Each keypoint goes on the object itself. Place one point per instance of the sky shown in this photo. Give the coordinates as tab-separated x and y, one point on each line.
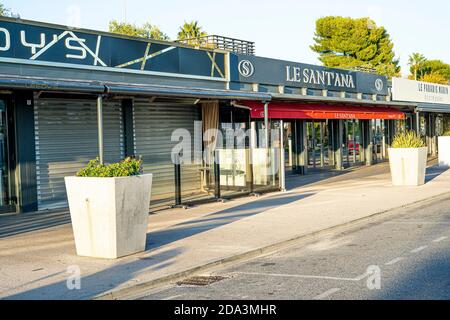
282	29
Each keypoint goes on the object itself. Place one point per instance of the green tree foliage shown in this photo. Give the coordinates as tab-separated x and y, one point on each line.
148	30
4	11
416	61
191	31
434	77
435	67
355	43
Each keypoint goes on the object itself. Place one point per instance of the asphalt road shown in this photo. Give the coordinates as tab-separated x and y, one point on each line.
405	256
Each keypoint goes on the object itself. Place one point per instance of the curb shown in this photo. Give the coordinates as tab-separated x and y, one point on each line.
139	290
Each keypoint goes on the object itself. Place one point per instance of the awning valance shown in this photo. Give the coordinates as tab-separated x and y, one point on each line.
283	110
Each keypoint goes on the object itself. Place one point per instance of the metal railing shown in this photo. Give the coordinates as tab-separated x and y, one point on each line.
223	43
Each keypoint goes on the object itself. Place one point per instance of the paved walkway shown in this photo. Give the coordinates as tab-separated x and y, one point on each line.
33	265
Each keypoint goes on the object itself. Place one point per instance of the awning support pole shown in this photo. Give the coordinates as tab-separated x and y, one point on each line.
266	124
100	129
282	159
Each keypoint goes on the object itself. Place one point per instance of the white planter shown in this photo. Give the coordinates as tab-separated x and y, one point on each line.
109	215
408	166
444	151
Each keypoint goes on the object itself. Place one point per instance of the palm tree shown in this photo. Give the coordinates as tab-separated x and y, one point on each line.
415	61
191	31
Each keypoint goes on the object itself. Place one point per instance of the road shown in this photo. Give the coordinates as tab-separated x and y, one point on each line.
404	256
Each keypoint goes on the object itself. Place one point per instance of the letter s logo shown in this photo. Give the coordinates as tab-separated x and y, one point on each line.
246	68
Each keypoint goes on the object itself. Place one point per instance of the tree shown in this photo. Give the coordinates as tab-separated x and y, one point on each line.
355	43
416	61
435	66
148	30
434	77
4	12
191	31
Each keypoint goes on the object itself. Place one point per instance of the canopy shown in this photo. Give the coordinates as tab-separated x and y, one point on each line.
284	110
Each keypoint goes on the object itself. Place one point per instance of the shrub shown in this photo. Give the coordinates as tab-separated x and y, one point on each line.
407	139
126	168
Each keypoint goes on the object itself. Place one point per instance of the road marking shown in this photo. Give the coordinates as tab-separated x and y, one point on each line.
300	276
173	297
394	261
417	250
327	294
440	239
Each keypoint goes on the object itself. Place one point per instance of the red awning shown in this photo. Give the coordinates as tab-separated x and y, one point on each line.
281	110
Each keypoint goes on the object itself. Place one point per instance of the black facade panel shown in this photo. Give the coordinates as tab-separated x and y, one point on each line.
26	151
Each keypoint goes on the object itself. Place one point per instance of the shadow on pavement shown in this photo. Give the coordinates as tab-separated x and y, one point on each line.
434	172
188	229
100	282
13	225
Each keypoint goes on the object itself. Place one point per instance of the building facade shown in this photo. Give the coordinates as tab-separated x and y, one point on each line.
244	122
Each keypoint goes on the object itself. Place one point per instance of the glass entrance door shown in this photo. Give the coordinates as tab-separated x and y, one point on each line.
7	203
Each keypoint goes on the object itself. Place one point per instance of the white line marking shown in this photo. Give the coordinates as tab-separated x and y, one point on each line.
362	277
327	294
417	250
173	297
440	239
299	276
394	261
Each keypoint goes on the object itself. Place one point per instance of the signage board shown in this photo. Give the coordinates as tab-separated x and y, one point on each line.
250	69
37	43
418	91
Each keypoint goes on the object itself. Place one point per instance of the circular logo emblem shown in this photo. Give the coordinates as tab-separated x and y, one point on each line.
246	68
379	85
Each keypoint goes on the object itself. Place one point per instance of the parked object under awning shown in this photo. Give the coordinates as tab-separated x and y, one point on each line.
282	110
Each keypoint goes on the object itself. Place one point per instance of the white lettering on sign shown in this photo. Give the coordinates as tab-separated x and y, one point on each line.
83	53
419	91
33	46
7	44
320	77
344	116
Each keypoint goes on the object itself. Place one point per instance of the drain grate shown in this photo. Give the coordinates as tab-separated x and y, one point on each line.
201	281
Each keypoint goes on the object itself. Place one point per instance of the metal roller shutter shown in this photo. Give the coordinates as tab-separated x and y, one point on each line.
67	138
154	124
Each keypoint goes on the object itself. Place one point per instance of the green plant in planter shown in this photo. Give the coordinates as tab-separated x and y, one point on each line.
126	168
406	140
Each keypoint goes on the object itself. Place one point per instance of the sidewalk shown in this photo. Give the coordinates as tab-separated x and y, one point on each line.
34	265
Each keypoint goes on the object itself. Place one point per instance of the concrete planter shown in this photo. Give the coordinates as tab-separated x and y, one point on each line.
444	151
109	215
408	166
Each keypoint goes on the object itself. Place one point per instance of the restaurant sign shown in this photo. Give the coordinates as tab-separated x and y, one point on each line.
267	71
28	42
418	91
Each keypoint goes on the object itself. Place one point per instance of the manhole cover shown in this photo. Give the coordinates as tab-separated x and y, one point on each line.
201	281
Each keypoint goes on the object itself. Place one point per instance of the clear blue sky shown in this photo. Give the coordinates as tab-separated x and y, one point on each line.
282	29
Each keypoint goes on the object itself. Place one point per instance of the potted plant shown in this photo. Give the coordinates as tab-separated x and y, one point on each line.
408	159
444	150
109	206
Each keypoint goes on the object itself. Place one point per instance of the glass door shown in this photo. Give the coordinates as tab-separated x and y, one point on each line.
7	202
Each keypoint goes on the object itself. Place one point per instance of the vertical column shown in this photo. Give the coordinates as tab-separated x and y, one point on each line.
128	128
100	129
367	142
282	159
331	138
300	147
25	151
338	132
363	146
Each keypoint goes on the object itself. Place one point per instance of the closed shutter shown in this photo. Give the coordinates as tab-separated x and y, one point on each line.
154	124
67	138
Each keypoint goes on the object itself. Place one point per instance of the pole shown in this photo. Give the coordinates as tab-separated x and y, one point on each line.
178	181
100	129
282	159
